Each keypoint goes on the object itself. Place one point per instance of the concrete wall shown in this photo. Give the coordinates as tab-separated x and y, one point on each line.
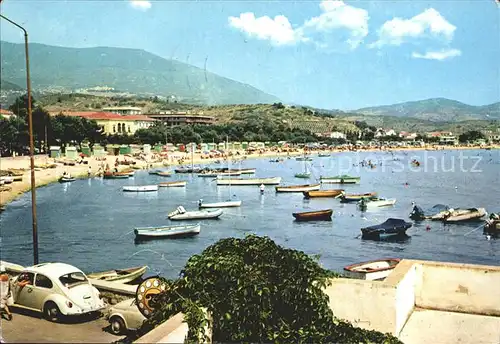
408	282
460	288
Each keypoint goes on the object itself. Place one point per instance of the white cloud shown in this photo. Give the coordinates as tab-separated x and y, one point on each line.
441	55
278	30
142	5
429	23
335	15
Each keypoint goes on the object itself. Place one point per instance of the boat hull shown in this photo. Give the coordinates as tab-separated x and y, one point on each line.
221	204
373	270
249	181
172	184
355	198
323	193
465	215
145	188
320	215
340	180
372	204
196	215
170	232
66	180
121	276
298	188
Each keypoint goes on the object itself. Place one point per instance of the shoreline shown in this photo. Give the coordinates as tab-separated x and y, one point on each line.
48	176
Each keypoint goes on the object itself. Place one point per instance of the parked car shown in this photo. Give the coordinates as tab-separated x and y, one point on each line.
57	290
125	316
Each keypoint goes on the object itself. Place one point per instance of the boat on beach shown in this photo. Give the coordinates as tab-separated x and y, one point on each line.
140	188
376	203
249	181
462	215
181	214
373	270
323	193
119	275
343	179
346	198
318	215
437	212
390	228
177	184
298	188
171	232
64	179
7	179
226	204
115	175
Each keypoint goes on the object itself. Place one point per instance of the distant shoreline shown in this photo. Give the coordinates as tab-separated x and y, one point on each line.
51	175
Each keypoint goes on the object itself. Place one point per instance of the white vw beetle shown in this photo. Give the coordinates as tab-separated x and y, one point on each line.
125	316
56	289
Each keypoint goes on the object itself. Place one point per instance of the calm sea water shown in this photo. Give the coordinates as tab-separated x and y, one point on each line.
89	223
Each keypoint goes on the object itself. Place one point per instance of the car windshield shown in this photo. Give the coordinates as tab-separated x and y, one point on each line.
72	279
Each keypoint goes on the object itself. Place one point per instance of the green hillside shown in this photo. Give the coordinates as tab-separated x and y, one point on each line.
130	70
437	110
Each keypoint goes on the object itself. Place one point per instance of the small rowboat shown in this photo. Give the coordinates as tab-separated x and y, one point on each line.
178	184
298	188
226	204
164	174
372	270
304	158
122	275
249	181
319	215
346	198
188	170
245	170
171	232
216	174
323	193
303	175
324	155
115	176
142	188
343	179
437	212
181	214
66	179
375	203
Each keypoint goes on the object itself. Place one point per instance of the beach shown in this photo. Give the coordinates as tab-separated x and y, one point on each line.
44	176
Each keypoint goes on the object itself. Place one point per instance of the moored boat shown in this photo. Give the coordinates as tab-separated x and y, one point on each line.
226	204
140	188
173	232
298	188
181	214
346	198
245	170
372	270
343	179
492	225
375	203
318	215
164	174
249	181
177	184
324	155
390	228
461	215
323	193
65	179
303	158
215	174
115	175
188	170
119	275
437	212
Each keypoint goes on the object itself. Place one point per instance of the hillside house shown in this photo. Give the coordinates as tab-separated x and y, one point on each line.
123	110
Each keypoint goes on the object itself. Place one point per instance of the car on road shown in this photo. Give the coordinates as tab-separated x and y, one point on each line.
125	316
57	290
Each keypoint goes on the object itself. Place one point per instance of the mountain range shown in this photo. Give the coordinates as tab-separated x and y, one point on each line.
127	70
435	110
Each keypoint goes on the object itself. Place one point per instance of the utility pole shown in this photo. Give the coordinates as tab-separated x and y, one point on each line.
32	148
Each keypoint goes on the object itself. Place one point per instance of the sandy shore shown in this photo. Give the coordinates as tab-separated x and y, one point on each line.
49	175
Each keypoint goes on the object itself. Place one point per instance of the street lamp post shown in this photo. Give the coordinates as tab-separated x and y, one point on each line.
32	148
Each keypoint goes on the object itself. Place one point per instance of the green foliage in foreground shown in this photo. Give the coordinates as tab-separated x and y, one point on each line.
257	291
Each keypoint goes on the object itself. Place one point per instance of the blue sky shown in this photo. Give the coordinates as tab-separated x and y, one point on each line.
328	54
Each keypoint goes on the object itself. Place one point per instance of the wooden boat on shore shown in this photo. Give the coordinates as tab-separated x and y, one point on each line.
226	204
298	188
376	203
372	270
64	179
115	175
119	275
462	215
343	179
318	215
323	193
249	181
181	214
346	198
140	188
437	212
390	228
177	184
171	232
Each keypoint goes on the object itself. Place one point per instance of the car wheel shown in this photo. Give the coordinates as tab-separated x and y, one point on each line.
117	325
51	311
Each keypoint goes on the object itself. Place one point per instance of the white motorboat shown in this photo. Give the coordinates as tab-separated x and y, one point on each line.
298	188
376	203
167	231
225	204
372	270
249	181
7	179
142	188
246	170
181	214
178	184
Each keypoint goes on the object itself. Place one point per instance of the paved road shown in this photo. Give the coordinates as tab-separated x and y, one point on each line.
30	327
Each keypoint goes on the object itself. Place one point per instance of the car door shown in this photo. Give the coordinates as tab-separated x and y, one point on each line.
43	288
23	295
